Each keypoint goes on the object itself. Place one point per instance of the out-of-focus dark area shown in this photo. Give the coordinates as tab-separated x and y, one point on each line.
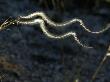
27	55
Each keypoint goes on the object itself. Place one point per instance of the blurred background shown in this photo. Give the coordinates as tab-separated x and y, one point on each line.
27	55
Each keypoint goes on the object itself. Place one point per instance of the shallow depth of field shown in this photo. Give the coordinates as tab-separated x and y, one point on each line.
27	55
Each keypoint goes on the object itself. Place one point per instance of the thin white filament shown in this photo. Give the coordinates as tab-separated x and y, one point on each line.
52	23
50	35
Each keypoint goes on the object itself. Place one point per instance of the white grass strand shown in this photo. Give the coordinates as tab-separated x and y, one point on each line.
52	23
50	35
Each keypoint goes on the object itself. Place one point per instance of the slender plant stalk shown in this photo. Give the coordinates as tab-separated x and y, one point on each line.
57	25
99	67
44	19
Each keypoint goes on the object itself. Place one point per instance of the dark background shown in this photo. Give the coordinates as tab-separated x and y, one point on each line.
27	55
